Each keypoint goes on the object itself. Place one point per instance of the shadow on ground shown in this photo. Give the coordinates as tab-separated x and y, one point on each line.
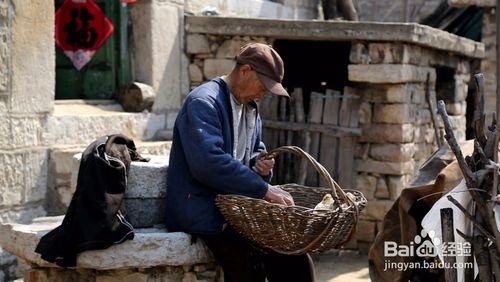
344	266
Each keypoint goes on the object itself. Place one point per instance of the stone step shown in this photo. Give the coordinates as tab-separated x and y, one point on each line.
150	247
146	190
61	166
80	124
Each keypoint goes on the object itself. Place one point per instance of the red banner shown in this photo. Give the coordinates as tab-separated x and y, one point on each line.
81	28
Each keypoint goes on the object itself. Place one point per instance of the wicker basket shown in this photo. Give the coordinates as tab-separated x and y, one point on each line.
296	229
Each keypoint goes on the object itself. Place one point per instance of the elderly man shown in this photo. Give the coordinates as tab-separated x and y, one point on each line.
216	149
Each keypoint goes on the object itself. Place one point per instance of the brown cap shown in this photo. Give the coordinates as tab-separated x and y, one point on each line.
267	63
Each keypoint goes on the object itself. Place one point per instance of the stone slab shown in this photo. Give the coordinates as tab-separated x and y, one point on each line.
337	31
143	213
145	179
150	247
73	124
390	73
391	168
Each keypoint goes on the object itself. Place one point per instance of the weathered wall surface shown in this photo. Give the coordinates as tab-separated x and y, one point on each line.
27	83
392	11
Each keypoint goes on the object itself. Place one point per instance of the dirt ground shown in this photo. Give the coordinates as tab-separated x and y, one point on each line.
341	267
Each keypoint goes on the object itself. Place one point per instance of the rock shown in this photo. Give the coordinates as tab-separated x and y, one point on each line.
365	231
125	277
359	54
381	133
392	152
456	109
365	113
391	168
217	67
195	74
229	49
389	53
145	212
396	184
393	113
366	184
376	210
388	73
150	247
197	44
382	191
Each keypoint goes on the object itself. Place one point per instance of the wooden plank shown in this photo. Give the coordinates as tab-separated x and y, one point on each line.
314	117
329	144
326	129
289	158
269	111
448	232
346	144
303	139
282	135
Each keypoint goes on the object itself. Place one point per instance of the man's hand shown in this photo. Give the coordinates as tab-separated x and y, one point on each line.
263	167
279	196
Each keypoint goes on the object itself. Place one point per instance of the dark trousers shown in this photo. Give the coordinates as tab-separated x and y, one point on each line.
241	261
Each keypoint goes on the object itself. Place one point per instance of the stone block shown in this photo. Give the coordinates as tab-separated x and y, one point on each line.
197	44
424	116
113	276
389	53
458	122
396	184
144	212
381	133
5	55
391	93
36	174
27	131
34	64
229	48
195	74
365	231
366	184
365	113
359	54
148	179
82	124
217	67
5	132
21	214
423	150
150	247
390	73
12	178
382	192
376	210
457	108
392	152
393	113
391	168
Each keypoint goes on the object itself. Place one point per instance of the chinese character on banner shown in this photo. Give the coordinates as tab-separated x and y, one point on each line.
81	29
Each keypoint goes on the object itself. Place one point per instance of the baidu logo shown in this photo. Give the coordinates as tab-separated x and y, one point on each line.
426	242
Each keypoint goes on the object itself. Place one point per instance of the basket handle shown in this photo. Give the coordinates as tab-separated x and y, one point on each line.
319	167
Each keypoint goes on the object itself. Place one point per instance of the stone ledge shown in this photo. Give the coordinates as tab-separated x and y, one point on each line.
150	247
337	31
77	124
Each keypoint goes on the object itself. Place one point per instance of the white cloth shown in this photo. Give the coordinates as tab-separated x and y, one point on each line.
243	129
432	223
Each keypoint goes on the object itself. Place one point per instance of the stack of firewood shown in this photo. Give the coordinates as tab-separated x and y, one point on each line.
480	171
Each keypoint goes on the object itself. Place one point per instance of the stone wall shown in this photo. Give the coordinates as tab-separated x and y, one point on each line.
192	273
398	134
397	130
27	80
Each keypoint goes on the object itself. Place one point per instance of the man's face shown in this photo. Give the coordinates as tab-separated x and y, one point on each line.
249	87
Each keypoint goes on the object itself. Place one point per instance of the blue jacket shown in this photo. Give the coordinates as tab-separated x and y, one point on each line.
201	164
